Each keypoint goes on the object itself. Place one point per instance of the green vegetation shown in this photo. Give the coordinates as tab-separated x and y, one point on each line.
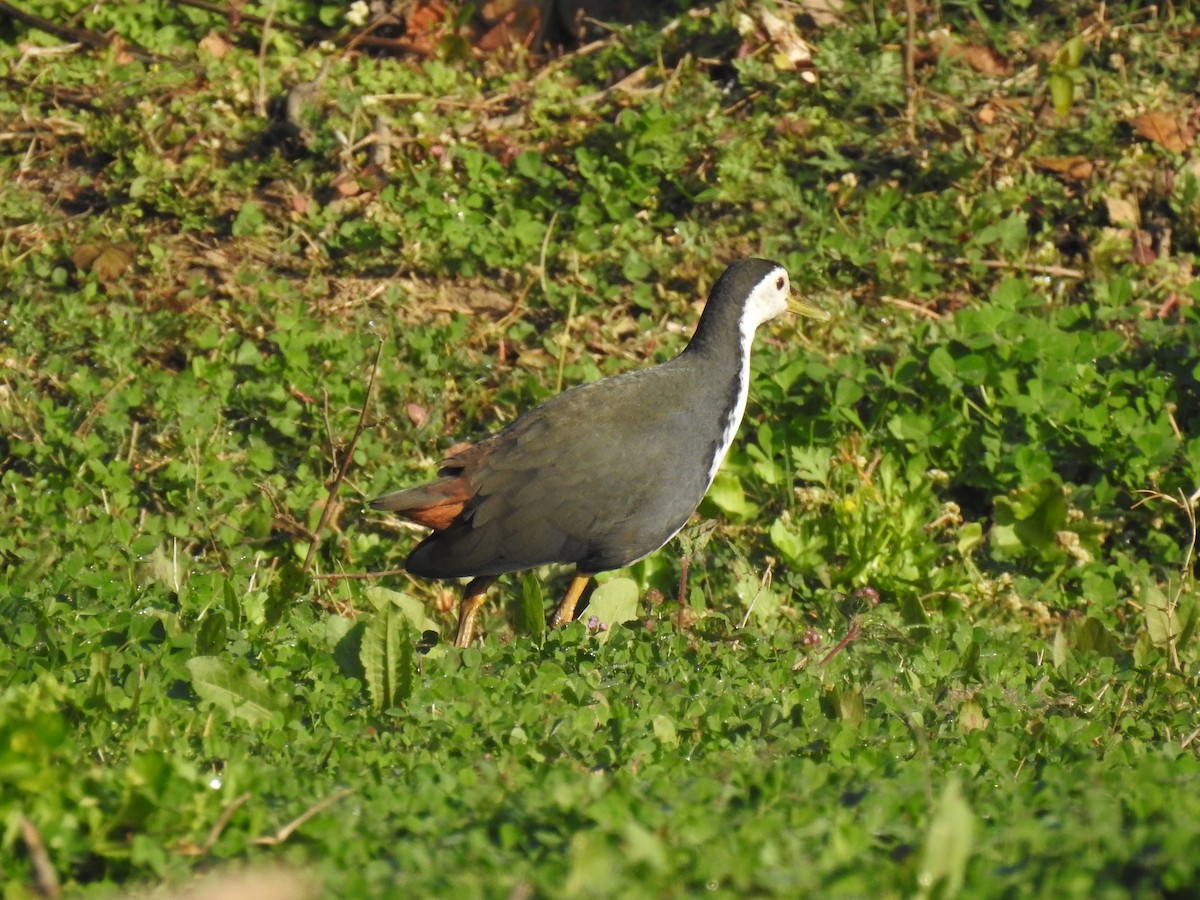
997	434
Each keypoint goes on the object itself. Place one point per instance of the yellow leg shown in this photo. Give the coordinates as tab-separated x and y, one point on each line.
473	598
566	610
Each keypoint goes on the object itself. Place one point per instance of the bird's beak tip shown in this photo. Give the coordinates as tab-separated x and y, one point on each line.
800	308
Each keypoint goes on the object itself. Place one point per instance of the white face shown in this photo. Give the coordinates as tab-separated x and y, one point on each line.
769	298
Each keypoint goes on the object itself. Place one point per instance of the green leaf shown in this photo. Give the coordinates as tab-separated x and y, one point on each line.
811	463
1161	623
1093	637
1028	520
788	542
1060	650
970	535
387	657
728	495
242	693
664	731
948	844
1062	93
250	220
941	366
247	354
847	704
210	635
533	605
1069	55
847	392
972	368
412	609
614	602
971	716
528	164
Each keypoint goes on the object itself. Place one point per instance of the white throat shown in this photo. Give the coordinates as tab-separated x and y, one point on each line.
766	301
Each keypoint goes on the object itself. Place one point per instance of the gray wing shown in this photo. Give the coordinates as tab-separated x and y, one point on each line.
600	475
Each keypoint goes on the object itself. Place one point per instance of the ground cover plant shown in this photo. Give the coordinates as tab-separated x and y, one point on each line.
937	634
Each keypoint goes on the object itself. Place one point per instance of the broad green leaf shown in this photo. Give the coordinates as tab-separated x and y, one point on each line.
972	368
1062	93
614	602
970	535
788	542
971	716
948	844
408	606
1093	637
664	731
941	366
387	657
1161	623
1059	651
811	463
728	495
1070	54
242	693
533	606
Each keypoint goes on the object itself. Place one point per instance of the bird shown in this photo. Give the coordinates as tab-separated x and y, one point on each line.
605	473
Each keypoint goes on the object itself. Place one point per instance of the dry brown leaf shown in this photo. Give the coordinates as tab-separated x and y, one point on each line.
509	22
344	184
1142	253
494	10
417	414
983	60
300	395
1164	129
1121	212
823	12
120	52
215	45
1073	168
107	262
424	25
792	52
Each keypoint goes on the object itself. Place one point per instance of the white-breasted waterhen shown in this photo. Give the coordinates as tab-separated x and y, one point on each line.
604	473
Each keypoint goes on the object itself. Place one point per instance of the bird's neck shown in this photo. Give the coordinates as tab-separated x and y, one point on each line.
726	373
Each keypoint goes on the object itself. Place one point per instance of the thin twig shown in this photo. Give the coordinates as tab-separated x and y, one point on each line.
681	609
350	39
261	99
43	869
76	35
287	830
222	820
910	68
218	826
85	426
1034	268
764	583
852	633
514	312
347	460
1188	505
912	307
586	50
358	576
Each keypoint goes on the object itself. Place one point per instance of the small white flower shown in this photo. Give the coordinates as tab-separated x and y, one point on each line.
357	14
